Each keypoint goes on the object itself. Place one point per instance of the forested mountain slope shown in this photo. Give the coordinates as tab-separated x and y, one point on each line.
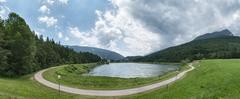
222	47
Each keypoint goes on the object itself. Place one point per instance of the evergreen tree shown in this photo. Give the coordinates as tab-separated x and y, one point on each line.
3	52
21	45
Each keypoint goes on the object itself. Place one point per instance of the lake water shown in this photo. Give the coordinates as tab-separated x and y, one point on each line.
131	70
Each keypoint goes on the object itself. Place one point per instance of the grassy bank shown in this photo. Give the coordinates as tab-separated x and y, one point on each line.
214	79
71	76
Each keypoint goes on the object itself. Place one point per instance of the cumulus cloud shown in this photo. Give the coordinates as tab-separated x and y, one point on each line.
60	35
114	27
49	21
4	11
66	39
127	37
37	33
63	1
86	38
50	2
3	1
139	27
182	20
151	25
44	9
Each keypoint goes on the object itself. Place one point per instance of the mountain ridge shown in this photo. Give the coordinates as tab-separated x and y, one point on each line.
221	47
216	34
106	54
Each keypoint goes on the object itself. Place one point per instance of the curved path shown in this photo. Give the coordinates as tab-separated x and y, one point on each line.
38	77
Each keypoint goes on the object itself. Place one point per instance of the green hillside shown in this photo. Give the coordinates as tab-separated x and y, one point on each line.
214	48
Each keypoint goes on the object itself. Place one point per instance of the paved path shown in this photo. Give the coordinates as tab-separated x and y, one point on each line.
40	79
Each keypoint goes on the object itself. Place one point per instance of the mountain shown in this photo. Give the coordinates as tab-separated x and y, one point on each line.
222	33
131	58
106	54
209	47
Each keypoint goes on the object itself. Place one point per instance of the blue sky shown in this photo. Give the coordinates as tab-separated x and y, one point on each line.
129	27
71	13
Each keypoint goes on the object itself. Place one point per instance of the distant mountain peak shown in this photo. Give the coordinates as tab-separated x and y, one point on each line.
217	34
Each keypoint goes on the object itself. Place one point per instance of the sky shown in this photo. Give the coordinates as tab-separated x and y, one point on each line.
129	27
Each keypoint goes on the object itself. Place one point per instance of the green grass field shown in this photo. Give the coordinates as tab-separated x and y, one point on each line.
214	79
27	88
72	76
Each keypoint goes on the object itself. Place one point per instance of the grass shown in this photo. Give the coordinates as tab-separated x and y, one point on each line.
214	79
71	76
27	88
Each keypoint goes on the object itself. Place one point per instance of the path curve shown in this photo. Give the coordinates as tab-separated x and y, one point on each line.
38	77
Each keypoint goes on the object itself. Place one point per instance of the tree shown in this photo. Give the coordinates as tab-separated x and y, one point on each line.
3	52
21	44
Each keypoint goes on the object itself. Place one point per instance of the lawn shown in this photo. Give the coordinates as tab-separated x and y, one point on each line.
72	76
214	79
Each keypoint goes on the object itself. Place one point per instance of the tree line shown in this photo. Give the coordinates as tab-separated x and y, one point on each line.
23	52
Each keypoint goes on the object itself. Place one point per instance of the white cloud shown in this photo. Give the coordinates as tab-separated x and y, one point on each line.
37	33
50	2
49	21
44	9
3	1
4	11
120	27
63	1
127	37
139	27
60	35
85	38
66	38
150	25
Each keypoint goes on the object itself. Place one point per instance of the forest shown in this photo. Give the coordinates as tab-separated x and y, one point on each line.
23	52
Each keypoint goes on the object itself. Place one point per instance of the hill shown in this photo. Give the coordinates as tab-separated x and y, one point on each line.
222	47
222	33
106	54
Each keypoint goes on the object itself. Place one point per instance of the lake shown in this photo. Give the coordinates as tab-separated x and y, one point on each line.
131	70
